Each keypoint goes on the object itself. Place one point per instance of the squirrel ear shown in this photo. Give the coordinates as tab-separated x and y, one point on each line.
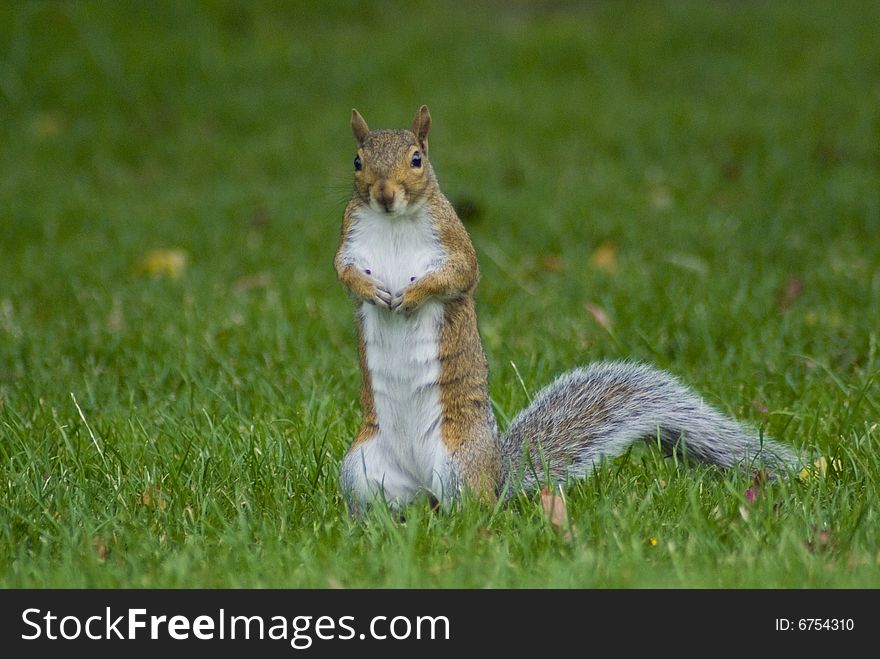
359	126
421	126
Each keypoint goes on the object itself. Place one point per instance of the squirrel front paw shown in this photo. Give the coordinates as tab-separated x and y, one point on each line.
407	298
381	297
375	292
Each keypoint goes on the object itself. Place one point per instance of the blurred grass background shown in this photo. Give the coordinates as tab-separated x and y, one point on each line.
694	184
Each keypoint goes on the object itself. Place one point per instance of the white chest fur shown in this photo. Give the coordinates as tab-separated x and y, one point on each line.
394	248
407	456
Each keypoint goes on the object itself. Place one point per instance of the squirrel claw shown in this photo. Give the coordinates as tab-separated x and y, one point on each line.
396	301
382	297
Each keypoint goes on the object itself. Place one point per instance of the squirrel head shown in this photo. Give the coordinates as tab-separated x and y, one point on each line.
392	173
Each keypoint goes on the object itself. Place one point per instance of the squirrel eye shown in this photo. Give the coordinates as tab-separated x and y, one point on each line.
357	163
416	159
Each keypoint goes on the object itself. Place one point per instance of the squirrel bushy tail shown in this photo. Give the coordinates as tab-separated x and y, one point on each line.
599	411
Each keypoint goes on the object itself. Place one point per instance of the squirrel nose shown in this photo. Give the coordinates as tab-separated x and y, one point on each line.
385	195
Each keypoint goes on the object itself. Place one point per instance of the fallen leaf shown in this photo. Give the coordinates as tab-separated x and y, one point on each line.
100	547
154	497
789	293
820	468
557	512
599	316
604	257
169	263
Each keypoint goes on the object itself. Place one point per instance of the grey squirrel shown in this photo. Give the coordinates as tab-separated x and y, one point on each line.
428	427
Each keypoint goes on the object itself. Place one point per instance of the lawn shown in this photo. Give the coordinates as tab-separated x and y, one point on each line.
691	184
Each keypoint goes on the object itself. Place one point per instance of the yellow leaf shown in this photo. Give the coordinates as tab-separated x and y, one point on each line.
99	544
820	468
153	497
556	511
604	257
169	263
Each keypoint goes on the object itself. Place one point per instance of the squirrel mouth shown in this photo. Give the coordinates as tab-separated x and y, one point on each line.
388	204
387	197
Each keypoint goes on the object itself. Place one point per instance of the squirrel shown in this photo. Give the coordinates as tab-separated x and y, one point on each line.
408	263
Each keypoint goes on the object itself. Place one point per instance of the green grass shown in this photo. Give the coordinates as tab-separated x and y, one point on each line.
161	432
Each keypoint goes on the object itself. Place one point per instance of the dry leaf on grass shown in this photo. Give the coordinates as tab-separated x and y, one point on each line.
557	512
153	497
820	468
604	257
169	263
99	544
